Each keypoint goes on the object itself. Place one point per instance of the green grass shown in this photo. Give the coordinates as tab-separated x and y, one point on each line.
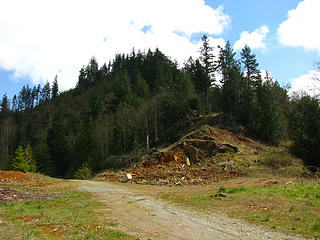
67	215
289	208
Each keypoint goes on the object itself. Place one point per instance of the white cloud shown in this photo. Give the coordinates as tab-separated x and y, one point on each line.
301	27
254	39
40	39
308	83
266	75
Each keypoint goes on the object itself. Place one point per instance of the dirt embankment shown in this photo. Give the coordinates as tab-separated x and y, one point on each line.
11	191
200	157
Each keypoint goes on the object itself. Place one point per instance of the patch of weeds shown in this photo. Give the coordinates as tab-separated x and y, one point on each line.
316	225
276	160
66	216
201	198
112	224
257	218
236	189
222	189
292	209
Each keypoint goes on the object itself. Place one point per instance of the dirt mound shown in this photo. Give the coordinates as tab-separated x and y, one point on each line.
195	159
15	176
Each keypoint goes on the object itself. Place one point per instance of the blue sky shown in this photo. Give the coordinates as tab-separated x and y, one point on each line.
33	50
285	63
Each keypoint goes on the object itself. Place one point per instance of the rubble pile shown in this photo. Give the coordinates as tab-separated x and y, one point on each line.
15	176
192	160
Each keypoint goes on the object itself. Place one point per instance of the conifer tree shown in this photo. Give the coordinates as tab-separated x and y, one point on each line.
5	131
19	162
305	125
30	159
206	58
46	92
229	68
252	80
55	88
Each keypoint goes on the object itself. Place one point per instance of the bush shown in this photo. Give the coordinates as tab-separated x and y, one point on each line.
84	172
277	160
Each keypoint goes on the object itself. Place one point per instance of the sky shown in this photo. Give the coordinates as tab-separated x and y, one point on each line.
40	39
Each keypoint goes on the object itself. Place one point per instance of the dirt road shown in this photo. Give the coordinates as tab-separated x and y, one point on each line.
145	217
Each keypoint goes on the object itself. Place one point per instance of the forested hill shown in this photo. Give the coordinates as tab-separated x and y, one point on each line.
145	100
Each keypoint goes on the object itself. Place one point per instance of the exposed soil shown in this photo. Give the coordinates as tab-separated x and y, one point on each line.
195	159
141	215
16	176
11	189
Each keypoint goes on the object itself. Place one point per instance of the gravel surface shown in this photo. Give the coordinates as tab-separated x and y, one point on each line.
147	218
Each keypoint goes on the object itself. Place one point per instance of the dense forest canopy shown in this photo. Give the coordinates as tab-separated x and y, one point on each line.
143	100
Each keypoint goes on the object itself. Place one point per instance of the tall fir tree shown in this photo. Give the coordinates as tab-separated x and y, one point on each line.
55	88
206	58
232	88
19	162
252	78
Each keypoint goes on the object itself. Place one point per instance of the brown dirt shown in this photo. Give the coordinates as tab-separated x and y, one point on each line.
192	160
17	186
16	176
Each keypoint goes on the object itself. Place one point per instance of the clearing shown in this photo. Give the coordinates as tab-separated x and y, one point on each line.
214	183
141	215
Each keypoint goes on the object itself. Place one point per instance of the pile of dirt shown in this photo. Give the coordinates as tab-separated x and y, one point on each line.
192	160
16	176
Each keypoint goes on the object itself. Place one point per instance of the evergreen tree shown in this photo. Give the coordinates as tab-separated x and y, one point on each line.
15	103
19	162
5	106
5	131
267	118
30	159
46	93
41	153
305	125
206	58
55	88
252	82
198	77
56	141
232	87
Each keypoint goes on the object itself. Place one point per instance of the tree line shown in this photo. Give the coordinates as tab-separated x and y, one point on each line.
143	100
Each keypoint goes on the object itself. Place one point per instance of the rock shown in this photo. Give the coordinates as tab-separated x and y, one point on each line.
129	176
187	161
220	195
124	179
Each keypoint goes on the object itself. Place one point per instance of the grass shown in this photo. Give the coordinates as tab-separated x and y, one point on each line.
66	214
288	208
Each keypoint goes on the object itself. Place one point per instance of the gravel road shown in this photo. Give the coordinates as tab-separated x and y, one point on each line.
143	216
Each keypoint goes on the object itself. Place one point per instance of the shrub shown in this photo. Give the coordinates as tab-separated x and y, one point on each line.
84	172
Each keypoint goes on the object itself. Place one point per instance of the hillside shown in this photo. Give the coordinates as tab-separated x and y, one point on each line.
144	100
209	154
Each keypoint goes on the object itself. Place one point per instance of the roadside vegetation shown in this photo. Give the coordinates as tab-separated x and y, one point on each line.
52	210
290	207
